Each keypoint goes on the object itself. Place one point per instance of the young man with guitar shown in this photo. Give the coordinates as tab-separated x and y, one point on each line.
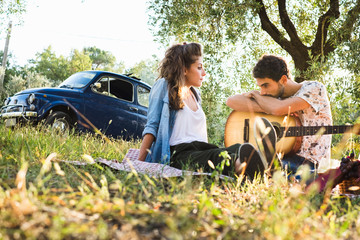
279	95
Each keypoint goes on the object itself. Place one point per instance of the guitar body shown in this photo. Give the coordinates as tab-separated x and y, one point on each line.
239	128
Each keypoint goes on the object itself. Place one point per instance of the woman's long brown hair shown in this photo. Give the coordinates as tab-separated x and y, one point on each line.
177	58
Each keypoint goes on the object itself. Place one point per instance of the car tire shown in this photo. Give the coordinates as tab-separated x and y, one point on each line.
59	121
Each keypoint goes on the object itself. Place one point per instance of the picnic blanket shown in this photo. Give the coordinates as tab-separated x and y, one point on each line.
130	163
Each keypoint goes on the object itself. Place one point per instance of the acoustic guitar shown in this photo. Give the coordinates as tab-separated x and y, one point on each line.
239	128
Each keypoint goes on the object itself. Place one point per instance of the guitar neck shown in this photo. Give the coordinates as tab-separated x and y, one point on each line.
313	130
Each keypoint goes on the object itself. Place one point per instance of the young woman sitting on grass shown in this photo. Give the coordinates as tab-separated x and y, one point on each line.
176	132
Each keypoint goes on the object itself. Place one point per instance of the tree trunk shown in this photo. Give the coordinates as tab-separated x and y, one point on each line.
2	76
302	64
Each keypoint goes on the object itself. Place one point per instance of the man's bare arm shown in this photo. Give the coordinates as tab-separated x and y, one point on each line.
279	107
243	103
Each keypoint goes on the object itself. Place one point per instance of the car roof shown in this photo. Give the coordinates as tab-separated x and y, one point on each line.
128	77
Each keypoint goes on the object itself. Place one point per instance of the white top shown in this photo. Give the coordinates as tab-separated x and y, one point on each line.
315	148
189	126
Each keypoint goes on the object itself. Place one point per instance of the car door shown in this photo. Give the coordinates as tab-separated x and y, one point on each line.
111	107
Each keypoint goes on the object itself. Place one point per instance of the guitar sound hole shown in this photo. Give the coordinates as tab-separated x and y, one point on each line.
277	130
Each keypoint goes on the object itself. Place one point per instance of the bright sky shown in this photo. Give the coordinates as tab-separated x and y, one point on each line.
117	26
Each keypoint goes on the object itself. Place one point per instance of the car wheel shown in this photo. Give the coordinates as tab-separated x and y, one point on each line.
59	121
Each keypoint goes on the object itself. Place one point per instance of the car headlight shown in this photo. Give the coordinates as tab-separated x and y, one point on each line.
31	98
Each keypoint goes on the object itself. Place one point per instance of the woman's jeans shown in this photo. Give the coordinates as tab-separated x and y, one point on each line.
196	155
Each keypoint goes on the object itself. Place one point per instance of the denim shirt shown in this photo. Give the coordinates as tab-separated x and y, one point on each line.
160	122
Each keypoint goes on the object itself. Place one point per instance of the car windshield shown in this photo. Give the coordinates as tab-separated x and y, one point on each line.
77	80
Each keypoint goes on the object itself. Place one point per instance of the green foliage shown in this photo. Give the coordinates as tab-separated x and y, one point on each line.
80	61
29	79
101	60
146	70
10	9
349	52
307	28
54	68
118	68
345	107
57	69
8	59
9	72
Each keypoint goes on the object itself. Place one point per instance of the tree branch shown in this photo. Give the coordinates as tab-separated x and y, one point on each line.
344	33
288	25
323	27
270	28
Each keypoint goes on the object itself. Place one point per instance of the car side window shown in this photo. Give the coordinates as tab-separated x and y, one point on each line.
143	96
115	87
122	89
102	86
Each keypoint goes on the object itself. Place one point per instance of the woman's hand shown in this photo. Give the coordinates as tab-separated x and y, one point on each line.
145	145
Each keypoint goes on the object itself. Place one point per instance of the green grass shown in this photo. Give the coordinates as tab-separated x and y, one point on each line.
43	199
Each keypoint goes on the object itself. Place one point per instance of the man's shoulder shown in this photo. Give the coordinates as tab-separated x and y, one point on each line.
312	84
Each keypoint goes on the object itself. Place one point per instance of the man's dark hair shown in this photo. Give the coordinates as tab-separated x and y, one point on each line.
271	66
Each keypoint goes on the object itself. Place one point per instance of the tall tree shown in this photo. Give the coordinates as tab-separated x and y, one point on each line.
52	67
4	60
309	30
101	59
80	61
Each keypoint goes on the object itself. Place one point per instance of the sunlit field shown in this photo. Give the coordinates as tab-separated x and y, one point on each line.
43	197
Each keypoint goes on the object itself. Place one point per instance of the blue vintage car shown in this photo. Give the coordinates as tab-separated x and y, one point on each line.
113	103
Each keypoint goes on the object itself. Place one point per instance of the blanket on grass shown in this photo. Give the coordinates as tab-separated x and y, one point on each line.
157	170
